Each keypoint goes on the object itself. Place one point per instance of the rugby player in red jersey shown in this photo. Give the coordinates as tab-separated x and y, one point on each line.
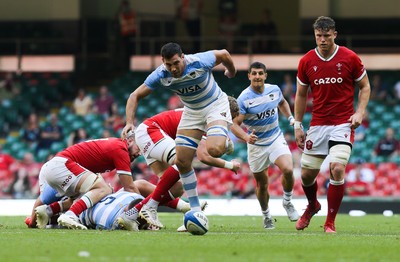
331	72
73	173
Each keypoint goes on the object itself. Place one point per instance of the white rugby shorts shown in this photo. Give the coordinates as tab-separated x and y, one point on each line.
62	174
260	157
199	119
153	142
318	137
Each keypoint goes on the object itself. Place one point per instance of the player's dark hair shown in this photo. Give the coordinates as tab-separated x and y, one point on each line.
170	49
258	65
324	23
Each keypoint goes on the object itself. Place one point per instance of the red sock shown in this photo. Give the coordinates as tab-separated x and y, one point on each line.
173	203
311	193
55	207
166	198
168	179
144	201
334	197
78	207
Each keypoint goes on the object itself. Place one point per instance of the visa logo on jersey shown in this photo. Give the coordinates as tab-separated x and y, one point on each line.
266	114
189	89
328	80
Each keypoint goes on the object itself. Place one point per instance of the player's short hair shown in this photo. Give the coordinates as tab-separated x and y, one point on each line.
170	49
234	107
258	65
324	23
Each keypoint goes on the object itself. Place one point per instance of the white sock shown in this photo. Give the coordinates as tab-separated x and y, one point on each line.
49	211
152	203
189	181
182	205
266	213
70	213
287	196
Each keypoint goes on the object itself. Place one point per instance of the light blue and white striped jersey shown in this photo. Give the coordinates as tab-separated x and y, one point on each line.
103	214
196	87
261	113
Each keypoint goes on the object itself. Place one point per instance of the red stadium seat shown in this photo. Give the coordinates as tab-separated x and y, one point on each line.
385	166
350	166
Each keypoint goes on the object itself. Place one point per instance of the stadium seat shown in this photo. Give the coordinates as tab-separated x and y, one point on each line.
42	155
370	165
57	147
387	166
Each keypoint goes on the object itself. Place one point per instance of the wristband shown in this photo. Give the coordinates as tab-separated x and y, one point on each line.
298	125
291	120
228	165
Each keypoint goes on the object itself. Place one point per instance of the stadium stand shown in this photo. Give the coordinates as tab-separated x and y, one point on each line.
42	92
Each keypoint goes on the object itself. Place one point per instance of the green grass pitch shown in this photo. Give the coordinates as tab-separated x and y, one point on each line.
367	238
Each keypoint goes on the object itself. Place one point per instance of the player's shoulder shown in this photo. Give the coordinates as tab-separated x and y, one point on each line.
200	59
310	54
346	52
116	143
308	57
245	93
157	74
271	87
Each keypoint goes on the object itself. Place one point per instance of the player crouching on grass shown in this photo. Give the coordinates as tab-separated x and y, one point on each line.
73	172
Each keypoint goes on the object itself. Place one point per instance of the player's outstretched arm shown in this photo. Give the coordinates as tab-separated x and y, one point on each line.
131	107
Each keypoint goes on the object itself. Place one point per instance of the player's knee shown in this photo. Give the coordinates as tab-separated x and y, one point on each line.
216	150
183	163
287	171
217	147
337	170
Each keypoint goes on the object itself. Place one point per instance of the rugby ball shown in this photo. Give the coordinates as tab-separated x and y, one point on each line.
196	222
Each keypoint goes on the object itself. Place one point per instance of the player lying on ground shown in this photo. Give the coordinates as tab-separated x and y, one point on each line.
104	213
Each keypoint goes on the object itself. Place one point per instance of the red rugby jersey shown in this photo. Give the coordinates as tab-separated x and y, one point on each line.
100	155
168	121
332	83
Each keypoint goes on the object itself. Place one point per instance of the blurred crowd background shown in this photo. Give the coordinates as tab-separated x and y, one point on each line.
43	112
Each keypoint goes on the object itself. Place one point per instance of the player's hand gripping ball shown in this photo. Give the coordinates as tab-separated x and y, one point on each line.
196	222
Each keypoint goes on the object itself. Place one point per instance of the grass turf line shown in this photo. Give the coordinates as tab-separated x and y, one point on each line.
367	238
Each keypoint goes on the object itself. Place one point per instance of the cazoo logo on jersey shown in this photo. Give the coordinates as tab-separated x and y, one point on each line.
328	80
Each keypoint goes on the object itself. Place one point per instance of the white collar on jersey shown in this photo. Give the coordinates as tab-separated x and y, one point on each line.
329	58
